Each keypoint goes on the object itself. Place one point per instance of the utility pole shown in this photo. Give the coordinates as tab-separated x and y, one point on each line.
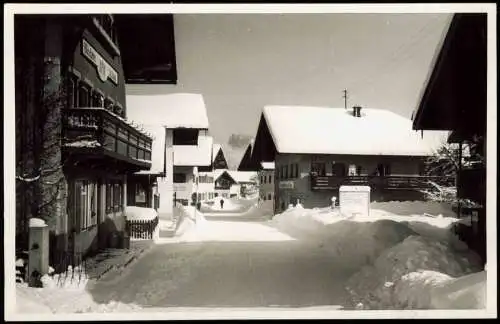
345	98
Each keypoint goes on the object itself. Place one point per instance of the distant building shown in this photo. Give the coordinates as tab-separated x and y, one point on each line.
187	144
235	184
75	146
225	184
318	149
454	99
266	181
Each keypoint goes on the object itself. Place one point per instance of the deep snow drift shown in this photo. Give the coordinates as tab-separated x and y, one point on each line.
401	262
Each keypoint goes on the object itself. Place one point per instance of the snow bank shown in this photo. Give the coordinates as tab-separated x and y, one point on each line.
140	213
56	301
391	283
413	208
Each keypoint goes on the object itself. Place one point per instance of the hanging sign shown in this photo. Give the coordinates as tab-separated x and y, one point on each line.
104	69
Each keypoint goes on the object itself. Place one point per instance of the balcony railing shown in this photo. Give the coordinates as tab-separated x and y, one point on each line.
98	130
401	182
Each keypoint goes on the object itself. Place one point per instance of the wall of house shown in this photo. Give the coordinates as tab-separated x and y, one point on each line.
206	189
293	188
186	189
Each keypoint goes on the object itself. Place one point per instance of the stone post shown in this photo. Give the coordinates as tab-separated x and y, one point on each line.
38	264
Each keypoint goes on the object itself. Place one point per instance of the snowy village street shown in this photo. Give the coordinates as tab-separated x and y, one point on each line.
230	274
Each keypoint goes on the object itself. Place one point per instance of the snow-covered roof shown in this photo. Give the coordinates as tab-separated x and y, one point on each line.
177	110
324	130
194	155
267	165
243	176
157	149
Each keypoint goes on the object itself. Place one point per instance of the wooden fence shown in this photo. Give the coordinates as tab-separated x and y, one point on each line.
142	229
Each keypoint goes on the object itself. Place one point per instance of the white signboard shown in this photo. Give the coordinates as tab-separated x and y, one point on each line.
286	185
104	69
354	200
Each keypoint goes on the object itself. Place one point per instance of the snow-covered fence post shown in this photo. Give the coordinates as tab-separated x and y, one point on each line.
38	264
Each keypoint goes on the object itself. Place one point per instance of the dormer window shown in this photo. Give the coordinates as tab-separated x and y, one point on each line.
185	136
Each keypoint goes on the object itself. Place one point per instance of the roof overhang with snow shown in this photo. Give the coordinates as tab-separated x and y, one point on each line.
177	110
194	155
454	95
325	130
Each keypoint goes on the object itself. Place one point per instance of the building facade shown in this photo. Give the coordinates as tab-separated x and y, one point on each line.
266	182
346	147
75	147
181	121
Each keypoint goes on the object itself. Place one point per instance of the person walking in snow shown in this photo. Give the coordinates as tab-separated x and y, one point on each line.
222	204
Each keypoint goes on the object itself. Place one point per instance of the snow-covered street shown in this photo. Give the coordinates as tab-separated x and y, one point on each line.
302	258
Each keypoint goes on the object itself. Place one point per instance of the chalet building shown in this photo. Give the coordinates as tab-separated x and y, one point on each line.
266	181
234	184
356	146
206	176
454	99
75	147
225	185
183	120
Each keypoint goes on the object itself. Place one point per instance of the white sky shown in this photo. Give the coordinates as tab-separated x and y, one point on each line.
242	62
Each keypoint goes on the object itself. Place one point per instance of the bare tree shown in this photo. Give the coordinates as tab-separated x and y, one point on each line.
40	181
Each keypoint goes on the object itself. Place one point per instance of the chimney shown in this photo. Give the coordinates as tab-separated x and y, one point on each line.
356	111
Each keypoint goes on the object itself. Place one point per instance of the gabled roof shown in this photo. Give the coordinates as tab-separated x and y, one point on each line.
177	110
324	130
219	172
246	159
194	155
215	150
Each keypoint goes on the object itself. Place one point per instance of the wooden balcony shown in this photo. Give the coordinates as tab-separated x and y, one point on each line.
103	139
390	182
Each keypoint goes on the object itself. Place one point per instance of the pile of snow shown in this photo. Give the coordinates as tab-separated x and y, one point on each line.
140	213
57	301
402	261
413	208
390	282
84	143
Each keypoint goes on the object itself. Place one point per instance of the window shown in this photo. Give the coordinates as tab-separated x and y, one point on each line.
269	196
83	96
179	177
296	170
358	170
387	169
109	195
319	168
338	169
117	196
84	195
286	172
270	179
72	95
185	136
